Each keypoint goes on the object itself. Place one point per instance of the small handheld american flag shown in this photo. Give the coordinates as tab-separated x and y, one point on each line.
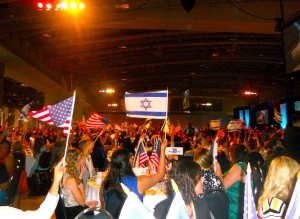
141	157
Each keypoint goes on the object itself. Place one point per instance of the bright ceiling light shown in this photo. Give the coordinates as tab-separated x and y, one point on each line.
73	5
108	91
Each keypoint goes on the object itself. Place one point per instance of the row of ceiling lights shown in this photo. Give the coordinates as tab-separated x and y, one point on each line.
48	5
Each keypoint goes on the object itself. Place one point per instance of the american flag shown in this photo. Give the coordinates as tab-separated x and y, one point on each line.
58	114
178	129
25	144
140	158
249	204
96	120
3	126
154	158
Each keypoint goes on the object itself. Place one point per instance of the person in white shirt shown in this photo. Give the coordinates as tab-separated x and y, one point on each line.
48	206
86	147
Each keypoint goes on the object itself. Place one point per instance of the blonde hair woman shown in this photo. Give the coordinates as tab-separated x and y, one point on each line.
278	187
72	189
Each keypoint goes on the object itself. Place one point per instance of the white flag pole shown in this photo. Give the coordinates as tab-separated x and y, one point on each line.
98	136
167	112
70	125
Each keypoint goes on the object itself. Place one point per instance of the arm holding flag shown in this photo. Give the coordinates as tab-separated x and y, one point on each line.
147	181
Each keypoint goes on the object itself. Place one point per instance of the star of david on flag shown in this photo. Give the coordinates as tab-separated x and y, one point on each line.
147	105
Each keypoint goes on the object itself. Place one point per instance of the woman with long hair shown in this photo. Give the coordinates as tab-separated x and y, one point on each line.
38	148
121	172
187	175
278	187
57	153
72	186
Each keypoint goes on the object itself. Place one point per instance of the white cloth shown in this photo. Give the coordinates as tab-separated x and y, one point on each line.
29	162
92	192
139	210
45	211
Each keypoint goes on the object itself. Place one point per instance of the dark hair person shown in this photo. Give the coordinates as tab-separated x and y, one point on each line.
121	171
187	175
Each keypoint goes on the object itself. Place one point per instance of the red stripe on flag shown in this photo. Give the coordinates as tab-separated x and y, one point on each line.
154	159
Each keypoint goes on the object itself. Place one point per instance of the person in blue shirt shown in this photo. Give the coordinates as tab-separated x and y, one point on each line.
121	171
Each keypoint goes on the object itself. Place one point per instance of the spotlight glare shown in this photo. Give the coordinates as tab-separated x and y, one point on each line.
73	5
81	6
64	5
40	5
48	6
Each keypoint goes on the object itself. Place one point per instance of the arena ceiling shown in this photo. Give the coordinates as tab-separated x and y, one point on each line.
217	50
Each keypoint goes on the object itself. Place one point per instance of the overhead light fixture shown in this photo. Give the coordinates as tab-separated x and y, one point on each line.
108	91
250	93
122	6
206	104
71	5
188	5
112	104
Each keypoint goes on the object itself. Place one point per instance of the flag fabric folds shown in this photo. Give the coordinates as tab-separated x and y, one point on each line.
58	115
141	157
293	210
24	112
154	158
96	120
215	124
249	204
277	116
174	130
4	126
177	209
166	126
133	208
147	105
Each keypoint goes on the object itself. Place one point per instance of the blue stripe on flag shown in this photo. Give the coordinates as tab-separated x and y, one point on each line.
143	113
146	95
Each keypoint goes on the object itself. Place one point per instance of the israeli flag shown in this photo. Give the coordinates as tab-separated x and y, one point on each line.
147	105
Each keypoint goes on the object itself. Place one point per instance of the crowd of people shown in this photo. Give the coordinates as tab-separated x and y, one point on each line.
273	154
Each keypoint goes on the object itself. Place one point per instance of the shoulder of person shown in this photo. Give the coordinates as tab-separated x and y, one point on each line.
71	181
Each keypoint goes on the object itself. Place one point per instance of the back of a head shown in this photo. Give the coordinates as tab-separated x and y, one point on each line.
57	152
186	174
280	180
72	161
83	143
204	158
18	146
120	166
38	143
239	153
252	144
120	162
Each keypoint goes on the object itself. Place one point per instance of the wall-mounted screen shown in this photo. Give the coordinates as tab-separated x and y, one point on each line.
291	41
262	117
297	105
